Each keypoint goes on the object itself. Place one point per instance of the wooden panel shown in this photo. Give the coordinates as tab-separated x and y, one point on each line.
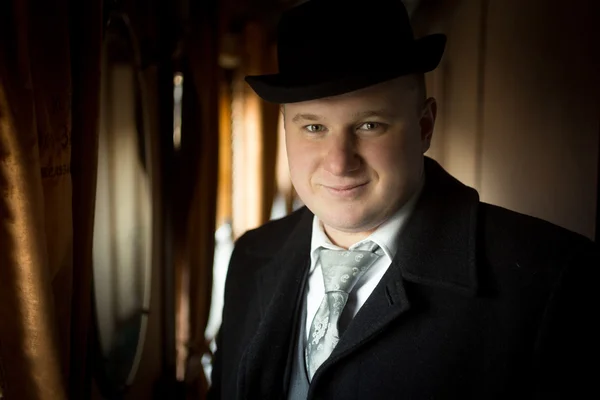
247	135
460	96
224	197
540	147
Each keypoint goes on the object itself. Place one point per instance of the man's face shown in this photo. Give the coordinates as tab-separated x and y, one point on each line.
357	158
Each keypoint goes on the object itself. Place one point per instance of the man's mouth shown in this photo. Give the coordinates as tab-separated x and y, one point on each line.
346	190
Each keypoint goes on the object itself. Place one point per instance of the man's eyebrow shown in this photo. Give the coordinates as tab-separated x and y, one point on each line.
372	113
361	114
308	117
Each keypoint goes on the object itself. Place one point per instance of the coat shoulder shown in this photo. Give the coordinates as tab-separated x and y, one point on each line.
535	241
268	238
524	226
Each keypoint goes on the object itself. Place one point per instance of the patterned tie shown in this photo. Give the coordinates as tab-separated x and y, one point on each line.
341	271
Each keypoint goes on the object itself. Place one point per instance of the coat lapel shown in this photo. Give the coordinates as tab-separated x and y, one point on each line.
281	282
437	247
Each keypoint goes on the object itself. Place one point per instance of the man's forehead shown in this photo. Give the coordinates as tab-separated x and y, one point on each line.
384	101
394	89
298	117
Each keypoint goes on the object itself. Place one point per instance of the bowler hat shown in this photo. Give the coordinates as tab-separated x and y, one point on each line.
331	47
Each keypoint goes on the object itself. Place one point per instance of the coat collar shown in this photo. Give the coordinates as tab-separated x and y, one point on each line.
281	282
438	246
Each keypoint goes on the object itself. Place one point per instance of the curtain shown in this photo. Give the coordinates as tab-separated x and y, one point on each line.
29	350
47	172
86	45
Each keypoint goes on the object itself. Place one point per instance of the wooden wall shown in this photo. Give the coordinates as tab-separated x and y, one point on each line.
519	105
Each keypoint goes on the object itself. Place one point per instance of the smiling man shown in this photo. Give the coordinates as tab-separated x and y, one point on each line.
356	158
395	280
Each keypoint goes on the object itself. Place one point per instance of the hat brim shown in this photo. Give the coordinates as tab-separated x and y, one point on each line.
424	56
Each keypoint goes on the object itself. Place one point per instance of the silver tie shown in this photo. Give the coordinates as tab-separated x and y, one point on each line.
341	270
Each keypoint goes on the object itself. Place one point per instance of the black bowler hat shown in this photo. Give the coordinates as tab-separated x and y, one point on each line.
330	47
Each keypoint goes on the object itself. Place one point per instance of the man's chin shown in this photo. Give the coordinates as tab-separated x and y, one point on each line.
346	224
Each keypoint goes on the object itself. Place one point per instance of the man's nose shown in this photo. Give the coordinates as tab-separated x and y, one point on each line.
341	157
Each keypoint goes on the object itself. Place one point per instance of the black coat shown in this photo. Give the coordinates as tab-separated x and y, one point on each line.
479	303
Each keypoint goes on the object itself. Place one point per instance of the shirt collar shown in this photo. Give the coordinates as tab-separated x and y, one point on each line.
386	235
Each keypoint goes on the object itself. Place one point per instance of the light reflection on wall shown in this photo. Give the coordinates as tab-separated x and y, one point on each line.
122	230
182	329
177	97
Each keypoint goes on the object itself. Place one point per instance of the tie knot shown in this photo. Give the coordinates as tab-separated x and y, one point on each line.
343	268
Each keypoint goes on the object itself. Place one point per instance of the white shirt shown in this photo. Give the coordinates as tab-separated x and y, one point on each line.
386	236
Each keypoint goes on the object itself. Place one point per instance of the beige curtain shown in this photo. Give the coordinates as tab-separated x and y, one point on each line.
40	214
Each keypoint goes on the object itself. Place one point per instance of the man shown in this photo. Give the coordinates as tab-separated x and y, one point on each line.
394	281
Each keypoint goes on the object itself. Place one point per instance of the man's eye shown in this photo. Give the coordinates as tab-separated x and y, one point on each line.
314	128
369	126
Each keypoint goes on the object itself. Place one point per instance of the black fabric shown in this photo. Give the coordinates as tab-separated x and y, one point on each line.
479	303
326	48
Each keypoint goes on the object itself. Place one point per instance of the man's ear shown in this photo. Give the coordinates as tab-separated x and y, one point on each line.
427	122
282	111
